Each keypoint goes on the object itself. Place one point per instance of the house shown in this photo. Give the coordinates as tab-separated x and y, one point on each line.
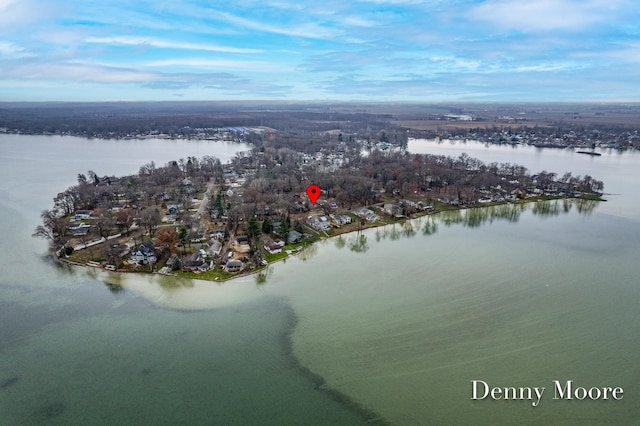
200	235
218	234
215	248
423	206
243	244
340	219
392	209
143	254
319	223
82	215
294	237
411	205
367	214
80	229
276	228
272	247
197	262
233	191
233	265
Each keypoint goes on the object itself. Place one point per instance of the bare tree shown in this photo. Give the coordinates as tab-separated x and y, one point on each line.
53	228
150	219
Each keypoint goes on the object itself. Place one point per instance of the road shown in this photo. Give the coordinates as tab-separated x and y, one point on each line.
205	200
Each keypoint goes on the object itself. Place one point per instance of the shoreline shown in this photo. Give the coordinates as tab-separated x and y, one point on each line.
286	341
337	233
571	147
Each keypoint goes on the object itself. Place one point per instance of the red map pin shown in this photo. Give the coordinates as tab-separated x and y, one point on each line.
313	191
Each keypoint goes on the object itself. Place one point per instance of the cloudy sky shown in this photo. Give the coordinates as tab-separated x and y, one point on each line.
372	50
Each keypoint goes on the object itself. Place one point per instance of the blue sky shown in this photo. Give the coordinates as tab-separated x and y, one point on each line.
363	50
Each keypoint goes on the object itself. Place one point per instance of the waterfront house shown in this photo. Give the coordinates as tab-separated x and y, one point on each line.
319	223
80	229
294	237
392	209
233	265
340	219
197	262
367	214
143	254
272	247
82	215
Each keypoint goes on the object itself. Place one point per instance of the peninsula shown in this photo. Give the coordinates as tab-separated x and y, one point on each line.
198	217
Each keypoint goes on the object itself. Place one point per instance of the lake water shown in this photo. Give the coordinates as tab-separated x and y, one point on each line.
392	324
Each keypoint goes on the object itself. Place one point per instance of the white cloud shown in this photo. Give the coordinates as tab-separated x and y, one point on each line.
147	41
220	63
16	16
621	53
75	72
4	4
543	68
357	21
310	30
7	48
545	15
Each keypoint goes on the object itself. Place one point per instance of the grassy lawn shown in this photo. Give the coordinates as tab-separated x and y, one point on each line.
90	254
388	220
592	197
273	257
297	246
211	275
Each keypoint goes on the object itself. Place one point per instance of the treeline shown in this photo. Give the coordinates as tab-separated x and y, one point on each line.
180	119
268	183
557	133
117	203
281	178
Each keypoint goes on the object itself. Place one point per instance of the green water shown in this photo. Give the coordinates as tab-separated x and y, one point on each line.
143	365
511	304
392	324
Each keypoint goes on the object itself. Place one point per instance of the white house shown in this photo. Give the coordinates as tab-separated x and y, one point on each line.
367	214
272	247
340	219
319	223
143	253
82	215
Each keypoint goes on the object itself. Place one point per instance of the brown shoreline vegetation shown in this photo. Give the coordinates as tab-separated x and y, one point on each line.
199	218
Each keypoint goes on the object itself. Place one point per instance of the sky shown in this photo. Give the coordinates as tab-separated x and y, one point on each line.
359	50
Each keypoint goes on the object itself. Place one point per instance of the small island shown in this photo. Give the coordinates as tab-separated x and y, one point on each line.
200	218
